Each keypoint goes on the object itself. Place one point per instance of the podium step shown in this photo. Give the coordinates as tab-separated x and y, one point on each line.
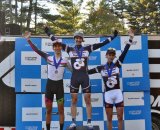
85	128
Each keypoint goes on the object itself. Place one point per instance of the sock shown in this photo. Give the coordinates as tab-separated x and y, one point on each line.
61	126
89	121
48	126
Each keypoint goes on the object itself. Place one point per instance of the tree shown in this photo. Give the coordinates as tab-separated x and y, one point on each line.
68	19
143	15
101	20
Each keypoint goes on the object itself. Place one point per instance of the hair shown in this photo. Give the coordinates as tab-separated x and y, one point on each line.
57	43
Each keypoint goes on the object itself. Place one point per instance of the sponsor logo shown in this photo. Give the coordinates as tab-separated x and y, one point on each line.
92	57
32	113
32	85
133	98
136	83
48	44
95	114
31	127
69	113
94	85
27	45
132	70
31	58
54	113
94	99
54	127
135	112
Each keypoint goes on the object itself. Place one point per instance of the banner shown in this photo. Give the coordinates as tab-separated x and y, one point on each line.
31	75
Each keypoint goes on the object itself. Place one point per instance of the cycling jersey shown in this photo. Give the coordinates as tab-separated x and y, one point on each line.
79	61
111	81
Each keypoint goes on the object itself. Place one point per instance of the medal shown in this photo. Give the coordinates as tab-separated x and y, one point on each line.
109	70
80	62
56	64
79	53
56	71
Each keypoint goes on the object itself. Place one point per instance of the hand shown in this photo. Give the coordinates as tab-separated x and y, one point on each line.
26	35
115	33
45	26
131	34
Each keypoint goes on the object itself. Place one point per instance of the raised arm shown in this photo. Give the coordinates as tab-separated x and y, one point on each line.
41	53
49	34
52	37
108	40
126	48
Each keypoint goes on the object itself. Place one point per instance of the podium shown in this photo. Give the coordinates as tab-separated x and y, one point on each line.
85	128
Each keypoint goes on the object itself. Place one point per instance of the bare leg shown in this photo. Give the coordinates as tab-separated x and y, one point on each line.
109	112
87	98
48	114
120	117
61	113
74	105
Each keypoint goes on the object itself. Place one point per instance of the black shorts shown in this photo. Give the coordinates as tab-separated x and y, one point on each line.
78	79
54	87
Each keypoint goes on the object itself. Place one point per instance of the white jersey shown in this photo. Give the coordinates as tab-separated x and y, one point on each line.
57	74
53	73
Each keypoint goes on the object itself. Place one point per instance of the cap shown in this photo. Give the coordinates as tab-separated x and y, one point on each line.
79	34
56	42
111	50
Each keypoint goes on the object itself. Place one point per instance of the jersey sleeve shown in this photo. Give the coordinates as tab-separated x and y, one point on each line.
123	54
52	37
101	44
95	70
41	53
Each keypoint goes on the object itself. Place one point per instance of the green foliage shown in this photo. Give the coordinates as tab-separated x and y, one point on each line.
142	15
102	18
68	20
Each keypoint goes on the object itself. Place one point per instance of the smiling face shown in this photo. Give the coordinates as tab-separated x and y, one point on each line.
110	57
78	40
57	48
